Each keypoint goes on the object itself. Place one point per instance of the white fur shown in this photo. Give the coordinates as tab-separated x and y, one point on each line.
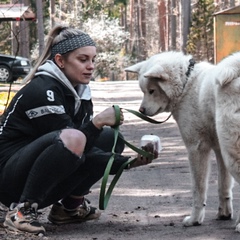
206	107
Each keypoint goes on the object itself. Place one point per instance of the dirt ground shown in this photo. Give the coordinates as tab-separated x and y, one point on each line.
148	202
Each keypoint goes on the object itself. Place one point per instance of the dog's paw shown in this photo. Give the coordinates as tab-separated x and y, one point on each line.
225	208
237	229
188	221
224	217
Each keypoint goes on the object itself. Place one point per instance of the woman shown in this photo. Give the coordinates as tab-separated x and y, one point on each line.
52	149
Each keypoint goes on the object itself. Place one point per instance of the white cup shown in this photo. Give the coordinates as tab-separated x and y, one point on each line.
155	140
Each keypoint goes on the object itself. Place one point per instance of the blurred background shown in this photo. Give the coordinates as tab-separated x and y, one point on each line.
126	31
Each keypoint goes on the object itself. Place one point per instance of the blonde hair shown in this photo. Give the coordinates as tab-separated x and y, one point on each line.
57	34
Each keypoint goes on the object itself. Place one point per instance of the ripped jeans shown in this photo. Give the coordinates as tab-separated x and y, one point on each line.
45	171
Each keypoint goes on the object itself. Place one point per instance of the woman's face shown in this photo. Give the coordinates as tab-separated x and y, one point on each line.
78	65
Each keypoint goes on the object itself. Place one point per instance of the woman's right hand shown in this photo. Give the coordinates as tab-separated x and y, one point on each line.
141	160
107	118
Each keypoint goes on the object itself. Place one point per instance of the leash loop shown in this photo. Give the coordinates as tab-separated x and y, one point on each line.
117	116
105	194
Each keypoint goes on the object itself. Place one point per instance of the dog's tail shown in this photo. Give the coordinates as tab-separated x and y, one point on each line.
228	69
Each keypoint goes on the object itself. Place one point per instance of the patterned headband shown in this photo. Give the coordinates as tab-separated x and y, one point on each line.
70	44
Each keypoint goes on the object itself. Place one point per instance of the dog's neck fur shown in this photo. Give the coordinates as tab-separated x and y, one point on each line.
188	73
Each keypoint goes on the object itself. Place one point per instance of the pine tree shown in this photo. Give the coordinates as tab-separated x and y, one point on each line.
201	40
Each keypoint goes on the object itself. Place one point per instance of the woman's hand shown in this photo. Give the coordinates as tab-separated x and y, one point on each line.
107	118
141	160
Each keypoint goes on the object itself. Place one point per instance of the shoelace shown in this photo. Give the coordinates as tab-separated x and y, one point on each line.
85	204
29	212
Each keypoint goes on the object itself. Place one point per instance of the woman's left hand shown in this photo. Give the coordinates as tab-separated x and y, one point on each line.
107	118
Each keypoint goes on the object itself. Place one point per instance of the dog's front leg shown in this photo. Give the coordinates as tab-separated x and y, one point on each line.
199	166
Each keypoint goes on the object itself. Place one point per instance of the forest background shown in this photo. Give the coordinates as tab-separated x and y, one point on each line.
125	31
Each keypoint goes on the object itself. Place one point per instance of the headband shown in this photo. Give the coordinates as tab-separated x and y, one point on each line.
72	43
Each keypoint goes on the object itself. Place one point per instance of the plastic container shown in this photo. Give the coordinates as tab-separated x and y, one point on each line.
155	140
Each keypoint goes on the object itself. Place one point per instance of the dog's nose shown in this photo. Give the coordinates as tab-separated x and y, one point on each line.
142	110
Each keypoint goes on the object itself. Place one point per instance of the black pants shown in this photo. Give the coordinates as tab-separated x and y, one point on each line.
45	171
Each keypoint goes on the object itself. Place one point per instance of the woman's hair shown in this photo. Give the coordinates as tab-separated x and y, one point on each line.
57	35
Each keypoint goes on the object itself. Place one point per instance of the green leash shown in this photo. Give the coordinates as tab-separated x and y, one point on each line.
105	195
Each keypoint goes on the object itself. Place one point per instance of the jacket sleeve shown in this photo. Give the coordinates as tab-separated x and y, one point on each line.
46	109
50	109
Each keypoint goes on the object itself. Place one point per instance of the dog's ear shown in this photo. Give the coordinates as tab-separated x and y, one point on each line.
135	68
158	72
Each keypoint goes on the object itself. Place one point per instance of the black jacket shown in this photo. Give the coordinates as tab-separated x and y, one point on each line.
43	105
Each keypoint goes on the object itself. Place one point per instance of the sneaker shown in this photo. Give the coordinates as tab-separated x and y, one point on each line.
59	215
23	217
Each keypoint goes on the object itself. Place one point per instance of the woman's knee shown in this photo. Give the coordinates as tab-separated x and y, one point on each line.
74	140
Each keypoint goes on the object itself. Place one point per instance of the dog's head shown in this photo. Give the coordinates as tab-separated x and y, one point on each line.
161	79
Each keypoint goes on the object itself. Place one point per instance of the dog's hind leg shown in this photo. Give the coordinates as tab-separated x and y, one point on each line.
228	128
199	166
230	148
225	185
238	224
232	162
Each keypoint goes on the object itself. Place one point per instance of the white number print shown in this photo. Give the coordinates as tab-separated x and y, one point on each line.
50	95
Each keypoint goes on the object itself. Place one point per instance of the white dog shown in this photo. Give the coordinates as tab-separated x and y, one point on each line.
204	99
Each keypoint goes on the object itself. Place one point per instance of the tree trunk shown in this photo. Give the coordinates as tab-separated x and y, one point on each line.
24	34
131	26
173	25
39	8
14	38
186	18
52	13
142	36
232	3
162	14
139	30
20	35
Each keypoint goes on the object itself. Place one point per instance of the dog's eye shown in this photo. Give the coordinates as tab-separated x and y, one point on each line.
151	91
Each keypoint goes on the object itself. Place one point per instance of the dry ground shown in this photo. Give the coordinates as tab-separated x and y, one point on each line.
148	202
